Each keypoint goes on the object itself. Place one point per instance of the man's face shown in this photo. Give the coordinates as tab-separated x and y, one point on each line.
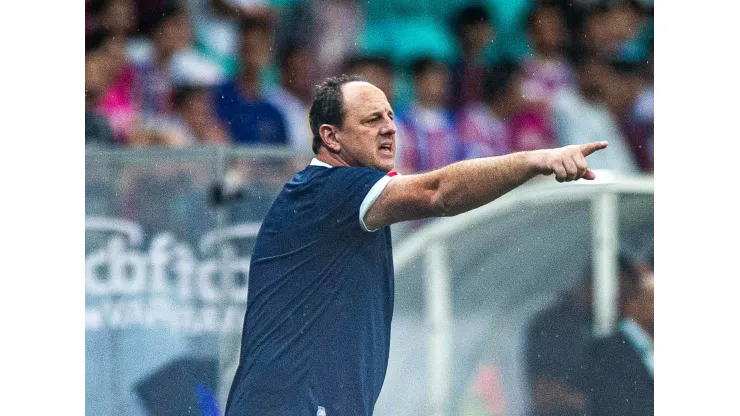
431	87
197	110
594	77
174	34
96	80
644	302
478	35
256	48
298	76
549	30
368	137
119	16
516	96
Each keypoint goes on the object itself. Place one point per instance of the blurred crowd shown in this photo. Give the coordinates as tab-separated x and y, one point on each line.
242	72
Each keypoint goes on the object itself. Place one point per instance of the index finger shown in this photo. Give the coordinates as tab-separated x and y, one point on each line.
588	148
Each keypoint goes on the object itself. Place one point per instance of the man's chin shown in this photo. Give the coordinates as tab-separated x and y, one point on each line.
385	165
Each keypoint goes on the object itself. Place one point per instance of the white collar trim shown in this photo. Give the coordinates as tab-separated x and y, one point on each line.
640	340
317	162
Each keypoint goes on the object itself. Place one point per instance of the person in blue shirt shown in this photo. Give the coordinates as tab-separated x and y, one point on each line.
316	332
621	377
239	103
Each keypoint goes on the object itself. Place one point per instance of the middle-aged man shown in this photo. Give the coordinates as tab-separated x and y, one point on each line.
317	327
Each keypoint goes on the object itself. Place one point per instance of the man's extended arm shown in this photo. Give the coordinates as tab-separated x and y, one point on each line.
468	184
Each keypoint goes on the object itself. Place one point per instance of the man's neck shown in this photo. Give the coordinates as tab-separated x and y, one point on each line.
645	329
332	159
502	109
292	89
249	84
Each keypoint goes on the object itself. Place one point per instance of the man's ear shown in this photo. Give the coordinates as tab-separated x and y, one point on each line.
329	137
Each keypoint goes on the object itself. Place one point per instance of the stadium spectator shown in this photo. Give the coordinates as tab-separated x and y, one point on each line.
430	139
597	37
193	121
216	28
580	115
547	69
631	100
293	95
611	27
97	130
377	70
621	380
504	121
624	20
330	28
574	12
239	102
169	61
118	102
475	33
118	17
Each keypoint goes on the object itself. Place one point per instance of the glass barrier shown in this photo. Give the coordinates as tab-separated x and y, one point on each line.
168	237
515	333
169	234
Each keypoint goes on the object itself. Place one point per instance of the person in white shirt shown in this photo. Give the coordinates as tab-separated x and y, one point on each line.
580	115
293	95
622	375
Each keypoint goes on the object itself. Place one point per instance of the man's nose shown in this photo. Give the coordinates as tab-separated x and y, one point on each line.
388	128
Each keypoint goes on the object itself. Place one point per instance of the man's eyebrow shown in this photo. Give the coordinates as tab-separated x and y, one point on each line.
379	112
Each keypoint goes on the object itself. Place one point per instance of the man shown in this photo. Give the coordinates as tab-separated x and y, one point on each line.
475	32
622	376
97	130
240	104
317	327
430	138
194	120
582	114
557	343
632	103
547	69
622	380
376	69
293	95
558	346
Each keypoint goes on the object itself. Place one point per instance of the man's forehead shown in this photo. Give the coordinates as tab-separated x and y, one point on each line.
360	95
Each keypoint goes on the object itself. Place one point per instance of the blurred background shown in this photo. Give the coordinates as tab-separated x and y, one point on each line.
196	114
